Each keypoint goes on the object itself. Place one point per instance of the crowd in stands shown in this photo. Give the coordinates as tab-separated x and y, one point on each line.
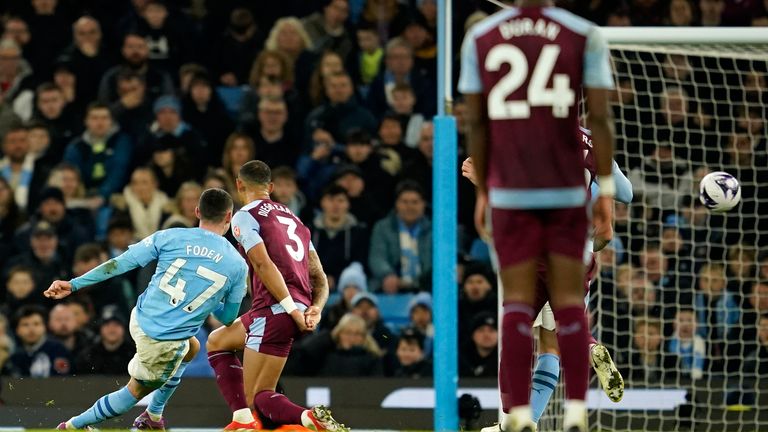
114	116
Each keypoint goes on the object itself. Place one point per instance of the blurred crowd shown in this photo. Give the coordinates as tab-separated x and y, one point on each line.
115	115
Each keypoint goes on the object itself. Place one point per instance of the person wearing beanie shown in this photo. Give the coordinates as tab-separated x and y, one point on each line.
351	282
479	358
420	313
477	295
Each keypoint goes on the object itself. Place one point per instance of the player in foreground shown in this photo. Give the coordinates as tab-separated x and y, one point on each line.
198	273
521	71
547	370
289	290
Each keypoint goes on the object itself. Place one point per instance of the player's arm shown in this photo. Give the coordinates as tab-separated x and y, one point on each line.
471	86
246	231
624	192
598	82
320	290
227	312
137	255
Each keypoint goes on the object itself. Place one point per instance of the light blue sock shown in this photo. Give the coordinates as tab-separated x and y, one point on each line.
109	406
544	382
160	396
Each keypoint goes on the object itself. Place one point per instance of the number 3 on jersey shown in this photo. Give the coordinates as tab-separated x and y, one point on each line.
560	97
176	291
295	251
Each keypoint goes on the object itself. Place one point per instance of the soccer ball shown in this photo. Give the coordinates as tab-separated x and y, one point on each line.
719	191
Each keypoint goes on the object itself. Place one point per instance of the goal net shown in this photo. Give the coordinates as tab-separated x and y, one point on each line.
681	290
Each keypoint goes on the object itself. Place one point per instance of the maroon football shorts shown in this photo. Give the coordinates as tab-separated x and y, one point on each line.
522	235
269	333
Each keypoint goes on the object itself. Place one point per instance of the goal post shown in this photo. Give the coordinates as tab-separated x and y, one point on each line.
677	298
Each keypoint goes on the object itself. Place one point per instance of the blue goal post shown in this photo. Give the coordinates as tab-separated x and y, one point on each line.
444	234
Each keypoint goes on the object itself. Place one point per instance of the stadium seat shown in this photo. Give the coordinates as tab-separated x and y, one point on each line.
232	98
394	310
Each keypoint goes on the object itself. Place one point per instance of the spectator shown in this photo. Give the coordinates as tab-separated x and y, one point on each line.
647	12
717	312
477	295
388	16
42	255
401	245
356	353
403	102
687	345
16	28
643	297
87	56
286	191
680	13
330	63
316	167
170	163
238	150
366	306
711	12
66	178
756	364
326	28
421	35
135	52
52	111
271	77
72	230
62	328
6	345
479	358
741	269
110	352
399	61
391	145
360	153
419	168
133	108
171	42
189	71
234	52
663	178
366	65
20	289
648	364
412	362
143	202
276	142
351	282
66	80
37	356
16	80
362	203
420	314
168	121
83	309
185	202
338	237
289	37
19	166
619	18
742	338
342	112
8	118
119	236
203	109
102	153
49	24
11	218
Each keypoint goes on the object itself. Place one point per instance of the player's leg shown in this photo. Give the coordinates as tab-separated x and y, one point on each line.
517	238
111	405
566	238
547	369
222	344
152	418
264	359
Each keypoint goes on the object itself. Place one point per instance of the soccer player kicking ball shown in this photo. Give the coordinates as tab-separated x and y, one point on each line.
198	273
289	290
521	70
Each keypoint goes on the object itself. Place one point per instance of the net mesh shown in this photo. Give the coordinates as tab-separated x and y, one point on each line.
680	292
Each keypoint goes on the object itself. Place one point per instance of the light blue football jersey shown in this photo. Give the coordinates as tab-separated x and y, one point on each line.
197	271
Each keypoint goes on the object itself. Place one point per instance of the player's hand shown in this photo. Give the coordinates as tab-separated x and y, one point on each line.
298	318
468	170
58	290
481	204
602	238
390	284
312	317
602	216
